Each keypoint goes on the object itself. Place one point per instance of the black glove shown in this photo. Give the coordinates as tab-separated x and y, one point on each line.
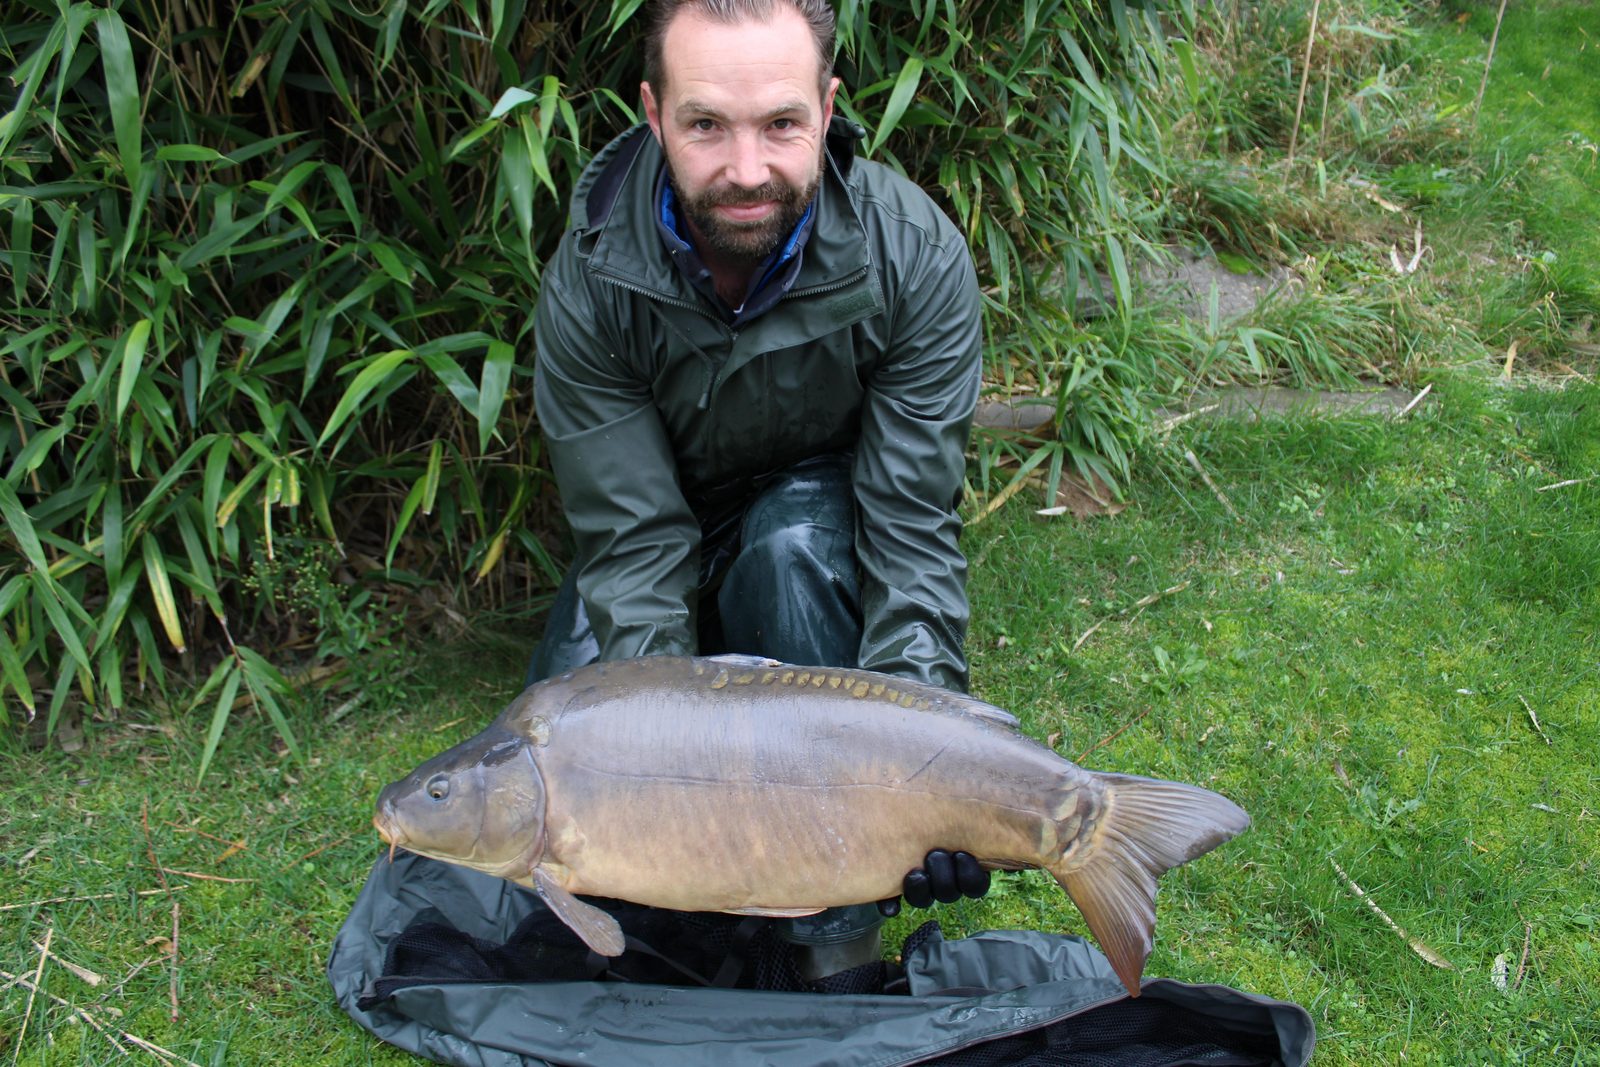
943	876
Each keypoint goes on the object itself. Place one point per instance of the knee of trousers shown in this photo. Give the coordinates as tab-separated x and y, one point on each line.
800	557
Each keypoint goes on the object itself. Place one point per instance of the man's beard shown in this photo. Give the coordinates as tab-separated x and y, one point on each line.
745	243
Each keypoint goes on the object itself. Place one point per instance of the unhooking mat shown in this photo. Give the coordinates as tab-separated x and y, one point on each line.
467	969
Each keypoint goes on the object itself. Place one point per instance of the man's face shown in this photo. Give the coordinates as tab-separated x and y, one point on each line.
742	121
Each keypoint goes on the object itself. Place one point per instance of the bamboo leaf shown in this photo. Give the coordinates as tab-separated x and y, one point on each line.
155	569
111	533
189	153
537	156
492	391
122	87
21	528
266	685
491	558
133	348
116	606
1119	273
905	89
621	12
15	674
199	564
29	74
285	188
407	510
367	380
37	449
431	481
516	176
55	601
509	100
221	713
453	378
231	503
319	506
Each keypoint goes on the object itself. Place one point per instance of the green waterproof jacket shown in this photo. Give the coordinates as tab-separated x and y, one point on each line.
657	412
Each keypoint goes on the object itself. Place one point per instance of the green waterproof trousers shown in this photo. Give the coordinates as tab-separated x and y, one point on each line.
778	578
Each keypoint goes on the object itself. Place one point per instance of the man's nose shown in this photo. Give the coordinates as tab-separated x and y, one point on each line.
748	167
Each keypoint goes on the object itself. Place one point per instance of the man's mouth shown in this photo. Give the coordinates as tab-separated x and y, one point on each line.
747	212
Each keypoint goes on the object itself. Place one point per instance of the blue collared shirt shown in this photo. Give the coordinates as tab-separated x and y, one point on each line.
767	285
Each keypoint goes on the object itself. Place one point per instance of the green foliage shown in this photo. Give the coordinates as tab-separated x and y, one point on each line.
270	275
269	271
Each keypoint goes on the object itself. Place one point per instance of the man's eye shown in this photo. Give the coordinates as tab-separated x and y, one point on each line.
705	125
783	124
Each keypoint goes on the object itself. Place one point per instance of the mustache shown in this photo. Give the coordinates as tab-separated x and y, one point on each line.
737	196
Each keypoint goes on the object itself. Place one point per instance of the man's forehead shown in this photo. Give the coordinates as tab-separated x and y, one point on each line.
754	62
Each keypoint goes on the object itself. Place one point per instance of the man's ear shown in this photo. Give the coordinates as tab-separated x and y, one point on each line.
827	103
652	110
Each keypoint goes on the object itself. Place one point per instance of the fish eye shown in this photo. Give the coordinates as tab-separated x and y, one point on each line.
438	787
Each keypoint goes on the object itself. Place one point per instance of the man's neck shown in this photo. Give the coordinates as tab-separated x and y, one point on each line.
730	275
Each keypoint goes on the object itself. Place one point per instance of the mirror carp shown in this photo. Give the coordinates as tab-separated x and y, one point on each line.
755	787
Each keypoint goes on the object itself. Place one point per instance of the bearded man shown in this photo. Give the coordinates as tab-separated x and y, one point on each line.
757	362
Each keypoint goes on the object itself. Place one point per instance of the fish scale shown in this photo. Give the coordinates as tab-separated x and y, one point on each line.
736	784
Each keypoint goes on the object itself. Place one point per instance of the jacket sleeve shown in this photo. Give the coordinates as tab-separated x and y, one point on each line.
638	544
908	471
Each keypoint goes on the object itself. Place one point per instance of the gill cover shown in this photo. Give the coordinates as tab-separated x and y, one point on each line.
480	804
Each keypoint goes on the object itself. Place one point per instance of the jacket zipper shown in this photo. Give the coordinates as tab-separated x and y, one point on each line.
733	334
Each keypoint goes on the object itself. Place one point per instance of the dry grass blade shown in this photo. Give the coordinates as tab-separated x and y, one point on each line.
91	896
1426	389
1146	601
202	877
1522	964
1417	946
44	954
1168	425
1534	719
1086	635
1118	732
1562	485
173	986
1194	461
1511	358
1494	41
1305	78
1138	605
82	973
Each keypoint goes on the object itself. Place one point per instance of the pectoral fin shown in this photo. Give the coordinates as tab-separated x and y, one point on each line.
597	929
773	913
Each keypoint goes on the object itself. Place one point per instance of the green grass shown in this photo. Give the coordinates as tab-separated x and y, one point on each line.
1538	130
1349	662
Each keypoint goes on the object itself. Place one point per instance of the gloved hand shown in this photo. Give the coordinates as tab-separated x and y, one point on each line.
945	877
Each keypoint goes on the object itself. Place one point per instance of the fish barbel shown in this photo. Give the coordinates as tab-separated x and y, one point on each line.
749	786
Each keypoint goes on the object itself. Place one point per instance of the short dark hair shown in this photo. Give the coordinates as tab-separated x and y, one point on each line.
817	13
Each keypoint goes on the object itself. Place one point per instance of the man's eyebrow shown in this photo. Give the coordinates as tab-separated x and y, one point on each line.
699	109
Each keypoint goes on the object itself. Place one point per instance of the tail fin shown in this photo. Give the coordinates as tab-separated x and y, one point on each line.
1145	828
